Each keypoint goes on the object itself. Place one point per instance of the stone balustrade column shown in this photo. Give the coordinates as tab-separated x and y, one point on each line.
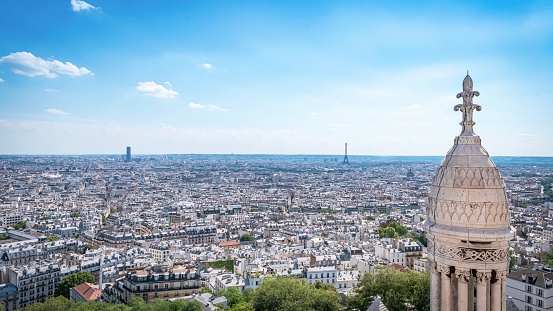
483	278
462	289
434	286
495	294
446	288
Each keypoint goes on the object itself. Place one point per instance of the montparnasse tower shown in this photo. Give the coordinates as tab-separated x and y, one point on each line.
468	223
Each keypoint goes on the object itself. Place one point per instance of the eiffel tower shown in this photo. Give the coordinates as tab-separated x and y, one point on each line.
346	160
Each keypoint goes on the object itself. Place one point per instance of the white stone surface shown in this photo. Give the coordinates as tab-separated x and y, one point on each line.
468	222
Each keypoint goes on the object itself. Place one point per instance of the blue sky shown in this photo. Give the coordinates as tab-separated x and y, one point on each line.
284	77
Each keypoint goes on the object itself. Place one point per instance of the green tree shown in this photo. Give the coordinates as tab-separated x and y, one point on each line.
4	236
401	230
20	225
387	232
291	294
243	306
75	214
397	289
512	261
52	238
233	296
421	238
53	304
246	237
370	217
73	280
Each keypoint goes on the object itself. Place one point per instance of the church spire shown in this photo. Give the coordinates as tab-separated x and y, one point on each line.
467	107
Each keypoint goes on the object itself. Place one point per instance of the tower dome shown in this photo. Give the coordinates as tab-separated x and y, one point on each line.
468	222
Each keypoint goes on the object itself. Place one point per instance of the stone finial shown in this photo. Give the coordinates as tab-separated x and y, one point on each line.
467	107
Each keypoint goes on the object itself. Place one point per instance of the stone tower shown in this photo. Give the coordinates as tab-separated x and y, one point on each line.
468	223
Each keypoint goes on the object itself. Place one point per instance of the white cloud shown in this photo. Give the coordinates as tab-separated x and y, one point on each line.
150	88
1	80
51	90
168	84
207	66
341	125
79	5
25	63
526	137
415	106
192	105
56	111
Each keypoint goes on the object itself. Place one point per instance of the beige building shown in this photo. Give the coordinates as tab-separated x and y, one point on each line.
468	223
159	282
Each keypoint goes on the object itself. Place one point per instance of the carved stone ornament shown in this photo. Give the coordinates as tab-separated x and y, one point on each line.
501	275
462	275
467	107
471	254
474	213
444	270
483	276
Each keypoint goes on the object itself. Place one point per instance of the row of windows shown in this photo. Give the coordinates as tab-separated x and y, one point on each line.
539	291
322	275
538	302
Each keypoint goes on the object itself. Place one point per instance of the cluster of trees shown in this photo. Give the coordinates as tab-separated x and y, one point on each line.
20	225
52	238
61	303
394	230
398	290
284	293
4	236
73	280
246	237
547	183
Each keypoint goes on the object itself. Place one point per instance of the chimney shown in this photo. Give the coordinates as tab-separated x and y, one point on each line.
524	277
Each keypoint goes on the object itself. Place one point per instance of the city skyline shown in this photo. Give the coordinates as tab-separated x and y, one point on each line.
276	77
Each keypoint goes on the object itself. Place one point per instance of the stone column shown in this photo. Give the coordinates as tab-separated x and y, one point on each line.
454	290
502	277
471	292
446	288
483	278
462	289
495	293
434	287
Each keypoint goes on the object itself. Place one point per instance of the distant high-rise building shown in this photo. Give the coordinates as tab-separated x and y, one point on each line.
468	224
128	159
346	160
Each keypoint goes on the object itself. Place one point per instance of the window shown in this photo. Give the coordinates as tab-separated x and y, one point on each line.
540	303
528	299
529	288
527	308
540	292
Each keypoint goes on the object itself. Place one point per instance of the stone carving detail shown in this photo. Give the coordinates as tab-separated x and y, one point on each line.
444	270
463	275
468	106
471	254
434	265
501	275
464	212
468	178
468	140
483	276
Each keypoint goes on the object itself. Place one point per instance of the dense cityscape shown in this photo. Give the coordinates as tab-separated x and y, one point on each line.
194	226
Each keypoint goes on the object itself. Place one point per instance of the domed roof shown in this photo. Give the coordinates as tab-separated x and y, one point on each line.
468	191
